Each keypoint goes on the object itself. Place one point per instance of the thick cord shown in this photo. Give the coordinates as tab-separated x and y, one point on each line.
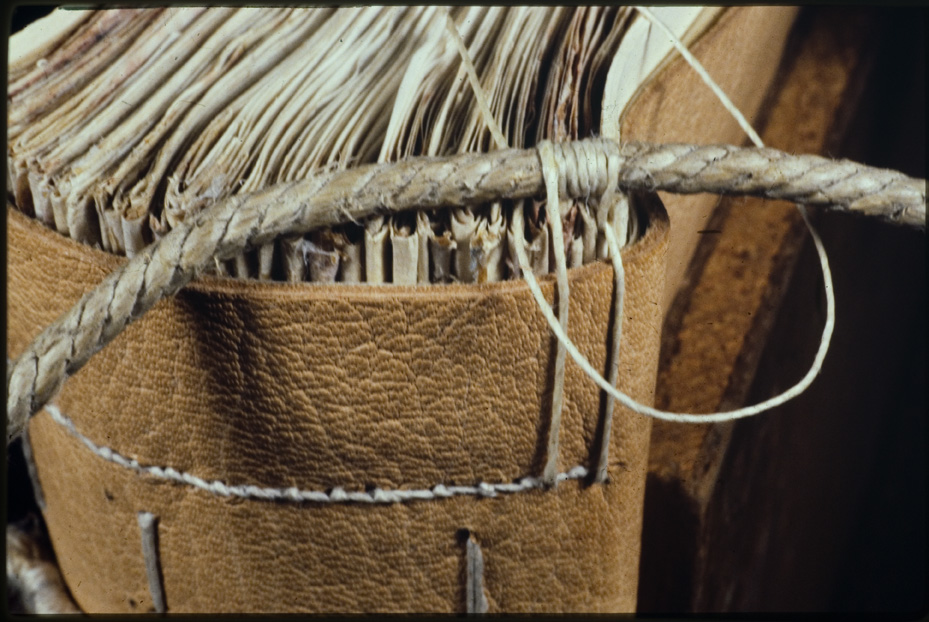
333	197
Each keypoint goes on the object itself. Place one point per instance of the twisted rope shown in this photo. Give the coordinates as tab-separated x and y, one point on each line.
808	179
332	197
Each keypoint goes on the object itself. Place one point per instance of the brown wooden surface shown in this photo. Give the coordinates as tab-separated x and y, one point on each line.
766	514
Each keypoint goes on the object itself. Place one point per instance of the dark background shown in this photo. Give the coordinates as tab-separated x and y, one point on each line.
885	567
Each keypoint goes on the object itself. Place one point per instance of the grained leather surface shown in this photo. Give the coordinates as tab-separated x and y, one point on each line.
338	385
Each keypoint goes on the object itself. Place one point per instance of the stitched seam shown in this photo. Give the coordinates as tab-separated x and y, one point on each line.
335	495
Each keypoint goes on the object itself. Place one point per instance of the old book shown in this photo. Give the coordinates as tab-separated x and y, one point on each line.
355	405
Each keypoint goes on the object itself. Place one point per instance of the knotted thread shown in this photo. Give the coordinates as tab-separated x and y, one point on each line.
333	197
553	213
566	170
578	169
566	175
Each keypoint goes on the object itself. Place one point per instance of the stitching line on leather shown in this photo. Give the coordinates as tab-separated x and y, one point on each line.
336	495
476	601
148	529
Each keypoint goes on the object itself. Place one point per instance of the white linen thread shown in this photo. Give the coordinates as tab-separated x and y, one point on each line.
476	600
148	529
335	495
559	166
738	413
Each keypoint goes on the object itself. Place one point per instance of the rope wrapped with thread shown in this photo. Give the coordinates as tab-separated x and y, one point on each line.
334	197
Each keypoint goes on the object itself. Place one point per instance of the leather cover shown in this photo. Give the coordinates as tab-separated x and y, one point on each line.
319	386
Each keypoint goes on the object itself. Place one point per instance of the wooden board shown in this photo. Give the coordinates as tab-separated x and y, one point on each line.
761	514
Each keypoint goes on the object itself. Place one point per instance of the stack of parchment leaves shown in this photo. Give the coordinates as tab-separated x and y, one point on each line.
123	123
